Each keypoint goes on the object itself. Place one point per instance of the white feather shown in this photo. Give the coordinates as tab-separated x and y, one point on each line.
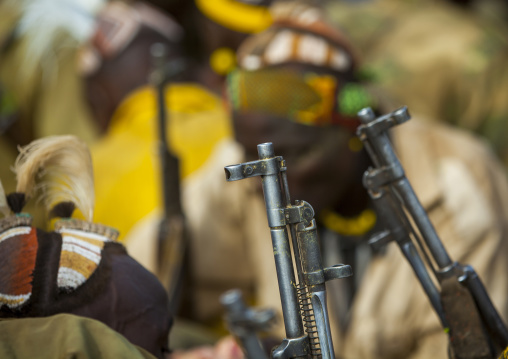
46	27
62	168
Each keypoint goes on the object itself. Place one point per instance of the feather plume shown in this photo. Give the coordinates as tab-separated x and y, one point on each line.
61	168
4	206
47	27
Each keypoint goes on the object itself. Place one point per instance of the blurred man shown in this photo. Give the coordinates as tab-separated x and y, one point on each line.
116	67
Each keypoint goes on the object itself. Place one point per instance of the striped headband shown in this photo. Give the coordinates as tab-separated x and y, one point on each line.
24	276
299	34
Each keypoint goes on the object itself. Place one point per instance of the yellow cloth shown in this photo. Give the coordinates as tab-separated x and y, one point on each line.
126	163
235	15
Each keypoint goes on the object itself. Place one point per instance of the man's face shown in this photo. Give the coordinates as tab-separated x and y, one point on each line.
320	165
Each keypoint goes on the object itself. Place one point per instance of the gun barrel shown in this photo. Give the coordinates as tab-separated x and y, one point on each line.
399	230
423	223
374	132
281	248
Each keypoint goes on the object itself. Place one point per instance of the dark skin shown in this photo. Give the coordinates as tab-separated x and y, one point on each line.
322	170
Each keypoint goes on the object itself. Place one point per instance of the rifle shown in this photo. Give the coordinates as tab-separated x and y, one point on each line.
172	242
245	322
460	299
303	302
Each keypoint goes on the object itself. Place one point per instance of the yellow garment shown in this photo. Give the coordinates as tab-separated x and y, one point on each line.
235	15
355	226
126	162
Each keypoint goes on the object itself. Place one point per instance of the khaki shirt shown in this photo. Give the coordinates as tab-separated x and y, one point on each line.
457	180
64	336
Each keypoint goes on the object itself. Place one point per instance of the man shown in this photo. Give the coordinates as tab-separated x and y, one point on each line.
78	267
118	308
297	87
116	68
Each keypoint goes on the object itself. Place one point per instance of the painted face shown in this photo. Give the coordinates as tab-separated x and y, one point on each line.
321	167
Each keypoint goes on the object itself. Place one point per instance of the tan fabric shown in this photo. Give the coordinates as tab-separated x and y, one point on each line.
453	174
45	112
48	89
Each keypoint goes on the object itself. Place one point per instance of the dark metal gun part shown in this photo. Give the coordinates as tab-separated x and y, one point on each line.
305	301
245	322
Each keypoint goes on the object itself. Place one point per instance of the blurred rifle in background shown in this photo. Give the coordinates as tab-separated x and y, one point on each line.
172	242
244	323
304	306
460	299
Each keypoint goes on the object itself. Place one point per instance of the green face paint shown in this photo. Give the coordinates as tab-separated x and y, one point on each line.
352	98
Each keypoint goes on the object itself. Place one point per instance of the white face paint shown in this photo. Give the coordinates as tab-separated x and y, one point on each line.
280	48
313	50
340	60
251	62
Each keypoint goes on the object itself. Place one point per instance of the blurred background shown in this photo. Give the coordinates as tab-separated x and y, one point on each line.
86	67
